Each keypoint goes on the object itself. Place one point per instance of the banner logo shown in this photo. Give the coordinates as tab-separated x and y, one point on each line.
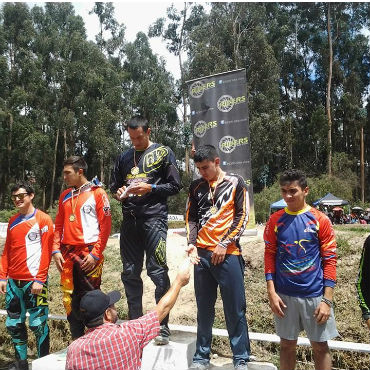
197	88
226	102
227	144
201	127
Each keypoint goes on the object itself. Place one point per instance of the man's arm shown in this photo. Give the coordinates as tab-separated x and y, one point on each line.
58	231
166	303
4	262
276	303
241	205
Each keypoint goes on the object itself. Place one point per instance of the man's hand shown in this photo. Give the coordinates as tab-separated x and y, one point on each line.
183	273
322	313
59	261
88	263
2	287
36	288
140	188
192	253
218	255
368	323
276	304
119	194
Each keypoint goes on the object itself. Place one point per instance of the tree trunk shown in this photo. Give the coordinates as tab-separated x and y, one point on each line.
328	98
9	144
362	165
54	169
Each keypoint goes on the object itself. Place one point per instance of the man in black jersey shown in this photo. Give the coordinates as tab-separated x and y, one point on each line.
143	177
363	282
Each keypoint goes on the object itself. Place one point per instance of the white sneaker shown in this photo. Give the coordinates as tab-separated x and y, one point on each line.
200	365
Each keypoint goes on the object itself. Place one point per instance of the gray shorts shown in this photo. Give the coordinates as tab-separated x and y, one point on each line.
299	315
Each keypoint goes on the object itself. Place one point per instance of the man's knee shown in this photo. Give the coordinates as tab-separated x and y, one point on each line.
288	345
130	272
320	347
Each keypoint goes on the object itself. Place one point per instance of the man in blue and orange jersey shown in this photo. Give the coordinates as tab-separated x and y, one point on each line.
300	269
82	228
23	274
216	216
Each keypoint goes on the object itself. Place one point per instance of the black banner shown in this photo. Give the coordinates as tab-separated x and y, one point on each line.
219	116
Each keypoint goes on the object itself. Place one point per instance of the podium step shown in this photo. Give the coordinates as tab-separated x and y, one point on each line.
176	355
54	361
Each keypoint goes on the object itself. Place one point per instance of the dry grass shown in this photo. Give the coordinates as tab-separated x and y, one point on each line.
348	316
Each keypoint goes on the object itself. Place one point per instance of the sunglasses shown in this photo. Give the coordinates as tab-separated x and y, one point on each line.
20	196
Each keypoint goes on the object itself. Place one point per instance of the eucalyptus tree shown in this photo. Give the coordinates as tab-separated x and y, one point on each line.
150	91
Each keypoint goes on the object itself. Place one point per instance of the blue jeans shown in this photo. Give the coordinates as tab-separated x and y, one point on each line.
229	275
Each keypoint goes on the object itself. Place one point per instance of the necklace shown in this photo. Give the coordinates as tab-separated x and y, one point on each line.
135	170
214	208
72	216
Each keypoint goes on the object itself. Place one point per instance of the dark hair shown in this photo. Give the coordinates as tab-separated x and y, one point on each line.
23	185
205	152
76	162
138	121
291	175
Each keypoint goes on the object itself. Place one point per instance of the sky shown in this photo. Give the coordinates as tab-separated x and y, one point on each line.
136	16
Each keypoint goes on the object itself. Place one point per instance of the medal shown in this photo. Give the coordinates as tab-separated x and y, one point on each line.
135	171
72	217
213	210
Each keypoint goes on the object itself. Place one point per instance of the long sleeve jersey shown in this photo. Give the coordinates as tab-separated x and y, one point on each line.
92	224
157	165
363	281
224	228
300	252
28	246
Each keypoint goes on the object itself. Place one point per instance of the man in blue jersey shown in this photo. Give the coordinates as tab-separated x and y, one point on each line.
300	269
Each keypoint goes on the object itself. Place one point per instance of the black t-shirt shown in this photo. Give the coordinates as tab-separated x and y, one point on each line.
157	165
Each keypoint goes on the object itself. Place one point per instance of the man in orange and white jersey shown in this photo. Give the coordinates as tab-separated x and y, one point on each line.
216	216
23	274
82	228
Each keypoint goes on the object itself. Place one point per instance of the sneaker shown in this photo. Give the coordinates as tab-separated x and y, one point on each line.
199	365
163	337
242	365
19	365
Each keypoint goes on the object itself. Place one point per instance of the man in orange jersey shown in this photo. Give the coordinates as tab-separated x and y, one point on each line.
82	228
217	213
23	274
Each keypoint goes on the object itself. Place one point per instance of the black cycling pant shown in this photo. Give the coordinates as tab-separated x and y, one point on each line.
139	236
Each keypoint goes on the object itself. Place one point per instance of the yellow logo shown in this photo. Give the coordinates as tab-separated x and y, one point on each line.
160	252
153	160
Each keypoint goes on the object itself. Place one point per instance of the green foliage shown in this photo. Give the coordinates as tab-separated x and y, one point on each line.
262	201
5	214
116	212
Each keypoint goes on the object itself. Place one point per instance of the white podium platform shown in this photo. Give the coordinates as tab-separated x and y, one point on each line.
177	355
54	361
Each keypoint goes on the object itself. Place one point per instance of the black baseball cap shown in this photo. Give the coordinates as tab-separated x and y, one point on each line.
94	303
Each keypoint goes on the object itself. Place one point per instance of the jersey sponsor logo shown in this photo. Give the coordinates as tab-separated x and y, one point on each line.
33	236
87	209
45	229
153	160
